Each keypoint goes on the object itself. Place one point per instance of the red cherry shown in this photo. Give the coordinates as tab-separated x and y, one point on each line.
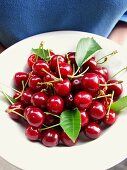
106	101
32	133
97	110
35	117
84	118
110	118
71	57
34	83
17	95
51	120
91	63
66	140
32	59
39	66
92	131
39	99
117	88
48	77
102	71
27	109
17	107
65	70
55	104
53	61
106	75
26	97
90	81
50	138
83	100
20	77
77	85
62	88
69	101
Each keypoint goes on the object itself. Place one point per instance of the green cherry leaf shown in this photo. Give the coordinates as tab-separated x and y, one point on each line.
70	121
119	104
9	98
85	50
42	53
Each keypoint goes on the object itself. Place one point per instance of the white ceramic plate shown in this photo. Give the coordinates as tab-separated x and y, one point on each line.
99	154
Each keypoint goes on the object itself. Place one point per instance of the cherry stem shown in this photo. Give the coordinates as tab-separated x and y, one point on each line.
50	74
23	88
76	71
107	114
80	75
48	113
59	68
13	110
49	82
117	82
49	127
105	58
125	68
108	95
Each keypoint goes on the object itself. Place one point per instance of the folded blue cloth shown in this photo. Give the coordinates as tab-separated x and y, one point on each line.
22	18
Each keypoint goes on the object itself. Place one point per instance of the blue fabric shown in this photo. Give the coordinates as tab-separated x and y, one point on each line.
23	18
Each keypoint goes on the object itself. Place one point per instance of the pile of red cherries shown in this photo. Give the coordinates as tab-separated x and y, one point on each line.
50	87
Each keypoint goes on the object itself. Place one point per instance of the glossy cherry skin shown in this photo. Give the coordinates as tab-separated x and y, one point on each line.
32	59
39	66
69	101
54	59
110	118
50	138
90	81
91	63
63	88
20	77
65	70
71	57
82	100
77	85
35	117
106	101
97	110
32	133
84	118
26	110
18	107
92	131
48	77
34	83
26	97
39	99
117	88
17	95
66	140
55	105
102	71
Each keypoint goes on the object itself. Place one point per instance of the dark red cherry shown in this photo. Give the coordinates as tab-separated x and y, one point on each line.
71	57
39	99
26	97
117	88
32	59
102	71
90	81
65	70
16	107
17	95
77	85
92	131
35	83
91	63
50	138
110	118
48	77
63	88
66	140
97	110
26	110
55	105
32	133
54	59
83	100
39	67
51	120
35	117
106	101
69	101
84	118
20	78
